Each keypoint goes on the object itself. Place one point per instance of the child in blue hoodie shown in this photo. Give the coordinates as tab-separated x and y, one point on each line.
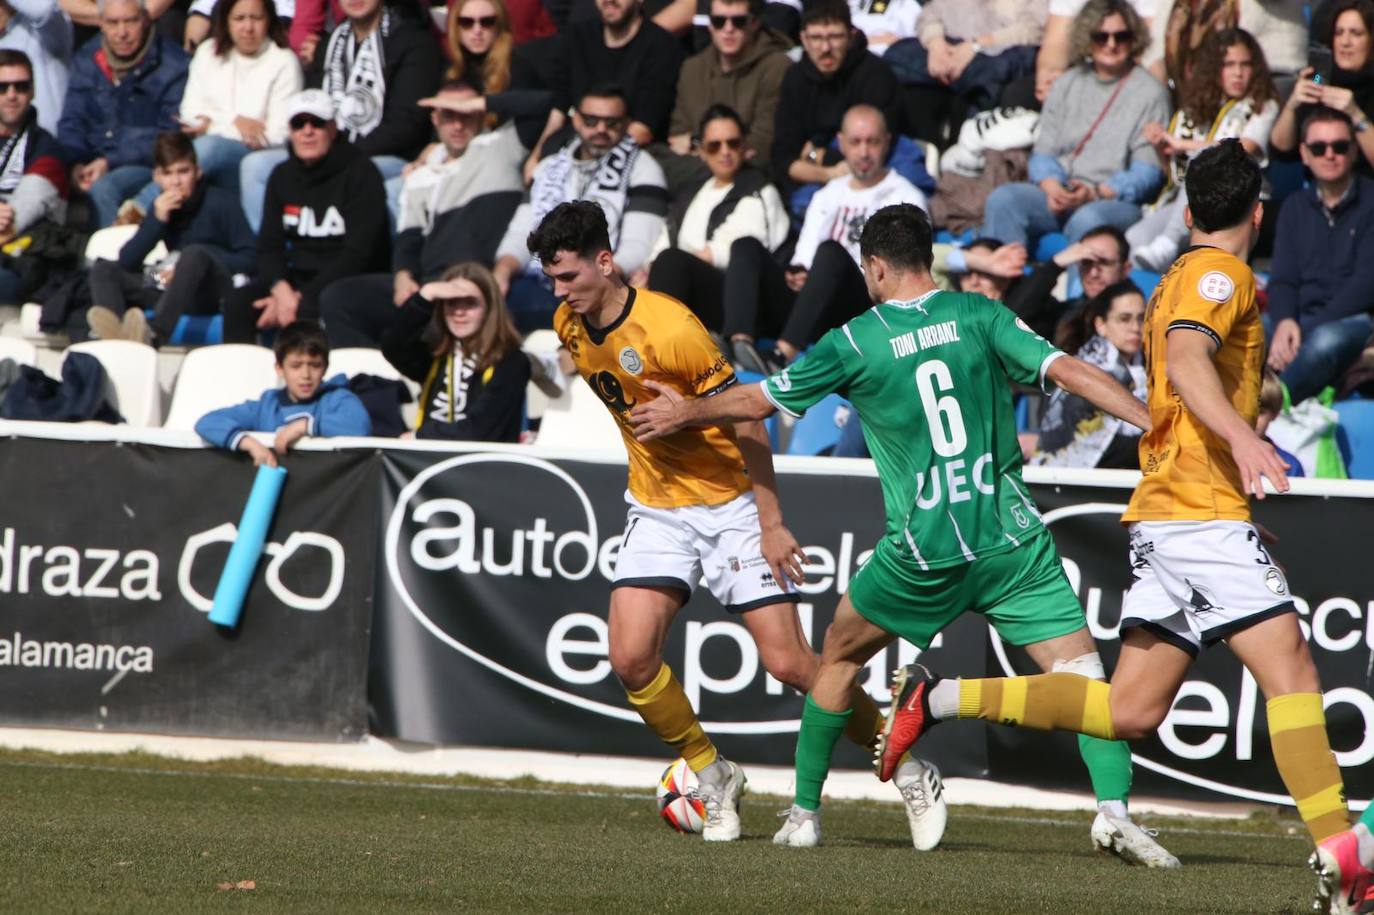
306	404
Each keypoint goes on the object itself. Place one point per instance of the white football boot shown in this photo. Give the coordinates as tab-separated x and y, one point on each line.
721	785
1132	844
924	795
801	830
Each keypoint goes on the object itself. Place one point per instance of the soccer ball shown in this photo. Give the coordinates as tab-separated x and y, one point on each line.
679	798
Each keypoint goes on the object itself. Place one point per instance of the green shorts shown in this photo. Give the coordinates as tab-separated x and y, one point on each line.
1023	593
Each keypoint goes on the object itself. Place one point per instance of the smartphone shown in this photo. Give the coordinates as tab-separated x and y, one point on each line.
1319	59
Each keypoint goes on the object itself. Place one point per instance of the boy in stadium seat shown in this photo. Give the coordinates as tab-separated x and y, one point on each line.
304	405
929	373
207	240
701	501
1201	570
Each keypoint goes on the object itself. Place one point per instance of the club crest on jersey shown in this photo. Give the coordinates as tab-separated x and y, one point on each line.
630	361
1215	286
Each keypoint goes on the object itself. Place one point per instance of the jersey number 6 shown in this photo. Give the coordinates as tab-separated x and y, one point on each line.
943	416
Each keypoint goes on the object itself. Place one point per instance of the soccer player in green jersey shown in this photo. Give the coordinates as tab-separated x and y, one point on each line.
929	373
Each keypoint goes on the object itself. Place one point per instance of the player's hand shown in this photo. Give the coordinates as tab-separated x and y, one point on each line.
261	454
661	416
1257	459
289	434
783	554
1284	346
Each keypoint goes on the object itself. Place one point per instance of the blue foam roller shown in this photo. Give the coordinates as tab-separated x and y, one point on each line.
247	548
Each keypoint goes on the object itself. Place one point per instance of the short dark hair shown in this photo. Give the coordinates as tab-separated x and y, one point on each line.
1321	114
605	90
173	146
901	235
301	337
577	225
720	112
1123	247
827	11
12	58
986	242
1223	183
458	84
755	6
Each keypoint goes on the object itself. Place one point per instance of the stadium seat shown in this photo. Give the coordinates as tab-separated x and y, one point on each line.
772	423
21	351
105	244
219	376
361	360
1050	245
196	330
578	419
819	430
1357	426
539	342
131	369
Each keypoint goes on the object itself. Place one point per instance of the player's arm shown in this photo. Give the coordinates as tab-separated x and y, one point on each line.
670	411
1188	364
1099	389
780	548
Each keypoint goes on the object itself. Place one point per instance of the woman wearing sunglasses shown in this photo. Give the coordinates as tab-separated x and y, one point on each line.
1230	95
456	338
480	44
736	202
1091	164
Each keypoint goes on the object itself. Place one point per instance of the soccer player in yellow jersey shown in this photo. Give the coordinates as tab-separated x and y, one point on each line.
1201	570
701	501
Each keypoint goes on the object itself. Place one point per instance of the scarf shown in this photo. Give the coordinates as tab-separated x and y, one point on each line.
354	77
121	66
607	183
1074	433
12	154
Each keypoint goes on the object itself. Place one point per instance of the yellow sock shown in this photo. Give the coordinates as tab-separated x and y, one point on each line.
1047	702
866	723
1302	752
664	707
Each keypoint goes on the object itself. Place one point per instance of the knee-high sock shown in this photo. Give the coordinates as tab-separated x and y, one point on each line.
1302	752
664	707
1109	767
1047	702
866	722
820	731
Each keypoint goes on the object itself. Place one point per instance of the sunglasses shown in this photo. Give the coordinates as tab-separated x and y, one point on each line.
302	121
1124	36
472	22
602	120
739	21
713	146
1338	147
22	86
461	303
1089	264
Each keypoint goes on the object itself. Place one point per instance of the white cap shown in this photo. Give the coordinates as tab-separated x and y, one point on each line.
311	101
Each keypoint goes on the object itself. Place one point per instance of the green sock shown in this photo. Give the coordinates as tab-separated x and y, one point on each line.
1367	818
820	731
1109	767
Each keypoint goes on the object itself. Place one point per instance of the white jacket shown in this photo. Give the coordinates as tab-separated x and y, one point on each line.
223	88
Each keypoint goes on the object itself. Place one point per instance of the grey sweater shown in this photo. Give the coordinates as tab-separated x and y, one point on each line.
1117	145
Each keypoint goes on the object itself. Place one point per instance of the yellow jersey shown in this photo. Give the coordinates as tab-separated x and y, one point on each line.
657	338
1188	473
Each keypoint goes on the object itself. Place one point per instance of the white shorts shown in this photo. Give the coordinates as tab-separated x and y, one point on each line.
675	547
1196	582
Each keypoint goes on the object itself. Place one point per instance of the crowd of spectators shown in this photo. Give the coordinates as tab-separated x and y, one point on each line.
375	166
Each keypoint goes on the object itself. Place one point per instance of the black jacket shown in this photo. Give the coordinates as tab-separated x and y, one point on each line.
212	218
324	221
489	406
646	68
412	67
811	106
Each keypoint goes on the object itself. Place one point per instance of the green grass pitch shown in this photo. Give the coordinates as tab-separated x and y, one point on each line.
148	835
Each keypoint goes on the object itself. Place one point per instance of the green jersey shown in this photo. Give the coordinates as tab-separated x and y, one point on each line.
929	379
